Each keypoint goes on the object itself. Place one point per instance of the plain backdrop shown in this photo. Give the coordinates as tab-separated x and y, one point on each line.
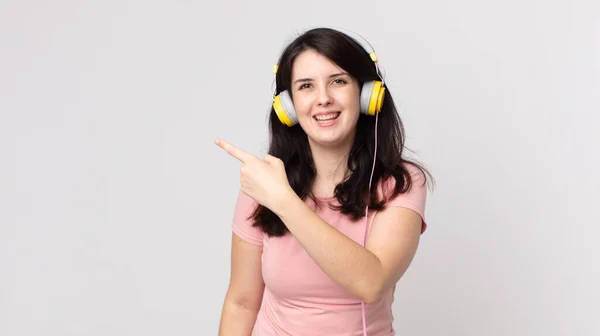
116	205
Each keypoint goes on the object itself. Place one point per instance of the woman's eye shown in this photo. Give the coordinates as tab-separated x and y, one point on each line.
339	81
303	86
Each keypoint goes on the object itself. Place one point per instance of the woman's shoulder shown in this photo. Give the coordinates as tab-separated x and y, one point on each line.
411	195
242	222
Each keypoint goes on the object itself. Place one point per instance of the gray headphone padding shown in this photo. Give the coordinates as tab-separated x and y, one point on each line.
365	96
288	105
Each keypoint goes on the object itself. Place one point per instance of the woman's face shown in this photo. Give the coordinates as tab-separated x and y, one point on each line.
326	99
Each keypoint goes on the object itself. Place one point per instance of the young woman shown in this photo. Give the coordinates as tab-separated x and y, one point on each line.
328	222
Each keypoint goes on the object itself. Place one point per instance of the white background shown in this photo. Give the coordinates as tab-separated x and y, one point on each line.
116	206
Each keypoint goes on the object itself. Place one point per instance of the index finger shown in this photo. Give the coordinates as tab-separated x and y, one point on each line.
234	151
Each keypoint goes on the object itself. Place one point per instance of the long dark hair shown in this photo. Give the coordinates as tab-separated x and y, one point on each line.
290	144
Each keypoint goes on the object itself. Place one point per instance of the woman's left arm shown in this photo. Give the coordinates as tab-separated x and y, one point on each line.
368	271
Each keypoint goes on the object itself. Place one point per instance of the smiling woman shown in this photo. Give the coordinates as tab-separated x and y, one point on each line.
328	222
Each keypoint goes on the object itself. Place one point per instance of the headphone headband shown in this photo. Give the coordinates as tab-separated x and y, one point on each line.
360	40
356	37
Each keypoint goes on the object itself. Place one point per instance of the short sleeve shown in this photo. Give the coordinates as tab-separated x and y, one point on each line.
415	197
242	226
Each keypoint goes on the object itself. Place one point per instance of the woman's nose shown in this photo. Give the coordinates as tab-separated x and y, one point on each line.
324	96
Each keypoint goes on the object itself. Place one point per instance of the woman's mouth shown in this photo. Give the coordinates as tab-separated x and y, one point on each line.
326	119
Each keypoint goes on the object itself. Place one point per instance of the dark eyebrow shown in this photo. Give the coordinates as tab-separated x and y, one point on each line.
309	79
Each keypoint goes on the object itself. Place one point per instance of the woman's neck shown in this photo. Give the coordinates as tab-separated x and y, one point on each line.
331	166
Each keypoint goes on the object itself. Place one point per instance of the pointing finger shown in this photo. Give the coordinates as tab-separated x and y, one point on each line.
234	151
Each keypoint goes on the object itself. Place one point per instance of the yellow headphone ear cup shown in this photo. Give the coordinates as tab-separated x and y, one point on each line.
284	108
377	98
371	97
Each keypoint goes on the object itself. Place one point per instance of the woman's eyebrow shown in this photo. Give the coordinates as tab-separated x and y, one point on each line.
339	74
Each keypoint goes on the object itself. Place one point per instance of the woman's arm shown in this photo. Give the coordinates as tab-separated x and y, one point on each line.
365	272
245	292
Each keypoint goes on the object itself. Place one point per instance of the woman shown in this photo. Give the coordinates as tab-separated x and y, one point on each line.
303	259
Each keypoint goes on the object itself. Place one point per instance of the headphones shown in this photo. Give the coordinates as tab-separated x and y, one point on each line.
371	95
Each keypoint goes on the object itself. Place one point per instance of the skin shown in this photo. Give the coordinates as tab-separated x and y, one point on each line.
366	272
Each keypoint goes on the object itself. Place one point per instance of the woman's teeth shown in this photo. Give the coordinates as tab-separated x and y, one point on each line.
327	117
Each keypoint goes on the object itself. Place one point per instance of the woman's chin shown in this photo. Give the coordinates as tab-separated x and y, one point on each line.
330	139
335	134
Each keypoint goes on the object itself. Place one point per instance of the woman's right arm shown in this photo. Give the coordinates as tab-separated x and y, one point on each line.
245	292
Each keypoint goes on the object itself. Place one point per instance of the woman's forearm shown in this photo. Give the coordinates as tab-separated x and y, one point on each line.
237	320
341	258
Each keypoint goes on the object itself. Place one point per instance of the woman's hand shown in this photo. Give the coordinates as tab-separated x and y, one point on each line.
264	180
